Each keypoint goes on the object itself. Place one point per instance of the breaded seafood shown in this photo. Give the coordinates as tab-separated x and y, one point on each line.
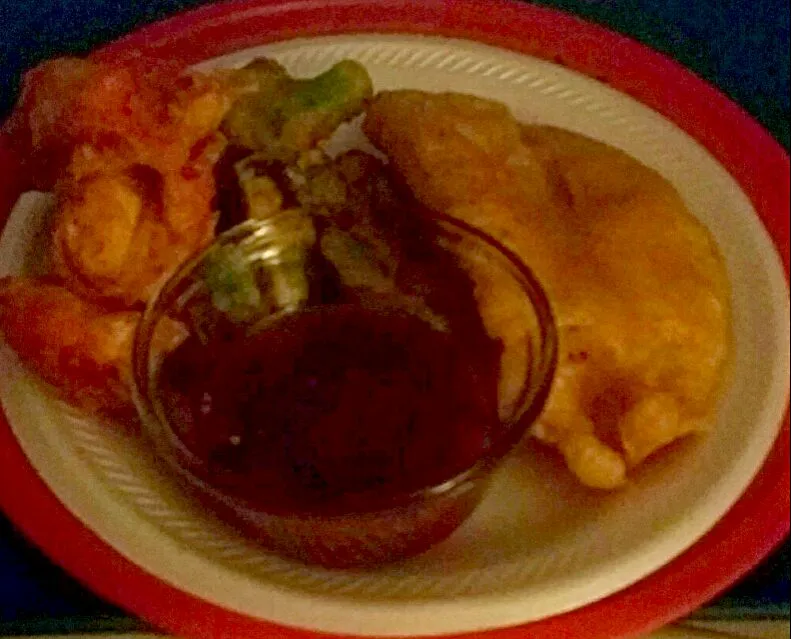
638	288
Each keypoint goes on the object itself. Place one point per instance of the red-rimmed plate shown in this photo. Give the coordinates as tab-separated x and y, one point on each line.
76	492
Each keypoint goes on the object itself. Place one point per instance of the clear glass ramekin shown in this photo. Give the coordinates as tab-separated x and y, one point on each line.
414	521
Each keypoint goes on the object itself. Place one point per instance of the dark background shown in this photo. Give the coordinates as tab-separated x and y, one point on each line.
741	46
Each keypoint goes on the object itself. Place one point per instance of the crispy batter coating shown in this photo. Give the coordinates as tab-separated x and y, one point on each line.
638	287
146	110
72	344
82	349
121	228
130	152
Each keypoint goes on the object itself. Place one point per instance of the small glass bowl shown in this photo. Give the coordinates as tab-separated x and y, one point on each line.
413	522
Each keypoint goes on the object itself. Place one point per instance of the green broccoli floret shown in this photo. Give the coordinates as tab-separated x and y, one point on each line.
286	116
339	92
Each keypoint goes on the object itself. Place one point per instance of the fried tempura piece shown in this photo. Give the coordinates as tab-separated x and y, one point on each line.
72	344
145	111
130	151
78	347
638	288
120	228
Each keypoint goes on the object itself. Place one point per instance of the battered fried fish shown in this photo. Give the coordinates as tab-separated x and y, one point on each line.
638	287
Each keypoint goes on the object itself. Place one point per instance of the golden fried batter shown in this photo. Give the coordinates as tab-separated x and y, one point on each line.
130	151
70	343
638	288
82	349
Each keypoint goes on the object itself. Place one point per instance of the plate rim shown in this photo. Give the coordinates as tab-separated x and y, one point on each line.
739	143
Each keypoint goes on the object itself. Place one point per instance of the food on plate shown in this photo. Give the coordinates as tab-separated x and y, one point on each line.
638	288
284	116
131	154
135	141
274	160
148	165
74	344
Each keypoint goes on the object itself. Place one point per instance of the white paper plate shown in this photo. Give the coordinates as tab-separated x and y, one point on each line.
539	545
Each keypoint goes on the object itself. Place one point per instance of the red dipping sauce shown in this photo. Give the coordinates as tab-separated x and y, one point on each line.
335	408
